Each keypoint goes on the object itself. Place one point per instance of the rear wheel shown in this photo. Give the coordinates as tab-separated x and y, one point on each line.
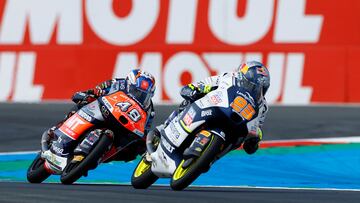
183	177
79	166
142	176
37	172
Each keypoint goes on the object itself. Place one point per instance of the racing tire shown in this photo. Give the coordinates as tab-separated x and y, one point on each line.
74	170
37	172
183	177
142	176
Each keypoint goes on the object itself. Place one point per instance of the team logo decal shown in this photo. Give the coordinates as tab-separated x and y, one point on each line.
244	69
261	71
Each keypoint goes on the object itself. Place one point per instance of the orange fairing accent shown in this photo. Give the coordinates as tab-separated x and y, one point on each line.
205	133
123	105
75	126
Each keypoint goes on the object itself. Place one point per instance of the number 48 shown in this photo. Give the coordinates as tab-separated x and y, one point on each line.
133	114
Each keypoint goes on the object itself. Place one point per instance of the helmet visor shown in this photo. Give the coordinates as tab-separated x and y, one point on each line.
252	88
140	95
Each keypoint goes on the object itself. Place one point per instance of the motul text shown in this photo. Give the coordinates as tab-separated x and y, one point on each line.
51	48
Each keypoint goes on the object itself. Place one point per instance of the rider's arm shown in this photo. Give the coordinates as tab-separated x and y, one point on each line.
263	112
194	91
255	134
151	115
103	88
83	97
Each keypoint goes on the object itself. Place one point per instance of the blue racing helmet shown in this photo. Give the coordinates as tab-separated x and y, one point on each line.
254	78
141	86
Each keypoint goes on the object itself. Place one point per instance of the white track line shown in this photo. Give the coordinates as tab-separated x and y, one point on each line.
277	188
325	140
18	153
235	187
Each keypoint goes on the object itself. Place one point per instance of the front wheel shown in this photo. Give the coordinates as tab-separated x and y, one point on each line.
183	177
37	172
142	176
79	166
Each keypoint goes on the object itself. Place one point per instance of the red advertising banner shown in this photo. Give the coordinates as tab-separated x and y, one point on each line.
51	48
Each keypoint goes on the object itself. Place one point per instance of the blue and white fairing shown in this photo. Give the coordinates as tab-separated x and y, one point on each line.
213	112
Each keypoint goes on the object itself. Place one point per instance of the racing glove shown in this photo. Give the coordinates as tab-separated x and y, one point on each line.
102	88
192	92
251	143
83	98
105	84
99	92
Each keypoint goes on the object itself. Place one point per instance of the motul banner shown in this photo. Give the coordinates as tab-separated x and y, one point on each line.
51	48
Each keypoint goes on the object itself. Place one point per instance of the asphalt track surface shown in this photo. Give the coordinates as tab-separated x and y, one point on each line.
25	192
21	126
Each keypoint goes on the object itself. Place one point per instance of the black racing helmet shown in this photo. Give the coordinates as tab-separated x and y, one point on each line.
254	77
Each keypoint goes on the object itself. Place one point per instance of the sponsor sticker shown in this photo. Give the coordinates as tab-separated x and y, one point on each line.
215	99
91	106
206	113
138	132
261	71
57	149
174	131
247	96
122	85
203	141
85	116
188	119
107	104
78	158
167	146
189	116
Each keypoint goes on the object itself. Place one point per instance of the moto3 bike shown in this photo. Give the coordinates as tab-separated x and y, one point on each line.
199	135
88	138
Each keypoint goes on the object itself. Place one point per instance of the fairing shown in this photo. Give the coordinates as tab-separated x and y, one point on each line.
115	109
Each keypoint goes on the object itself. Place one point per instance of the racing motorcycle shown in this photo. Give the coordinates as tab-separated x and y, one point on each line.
87	138
199	135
